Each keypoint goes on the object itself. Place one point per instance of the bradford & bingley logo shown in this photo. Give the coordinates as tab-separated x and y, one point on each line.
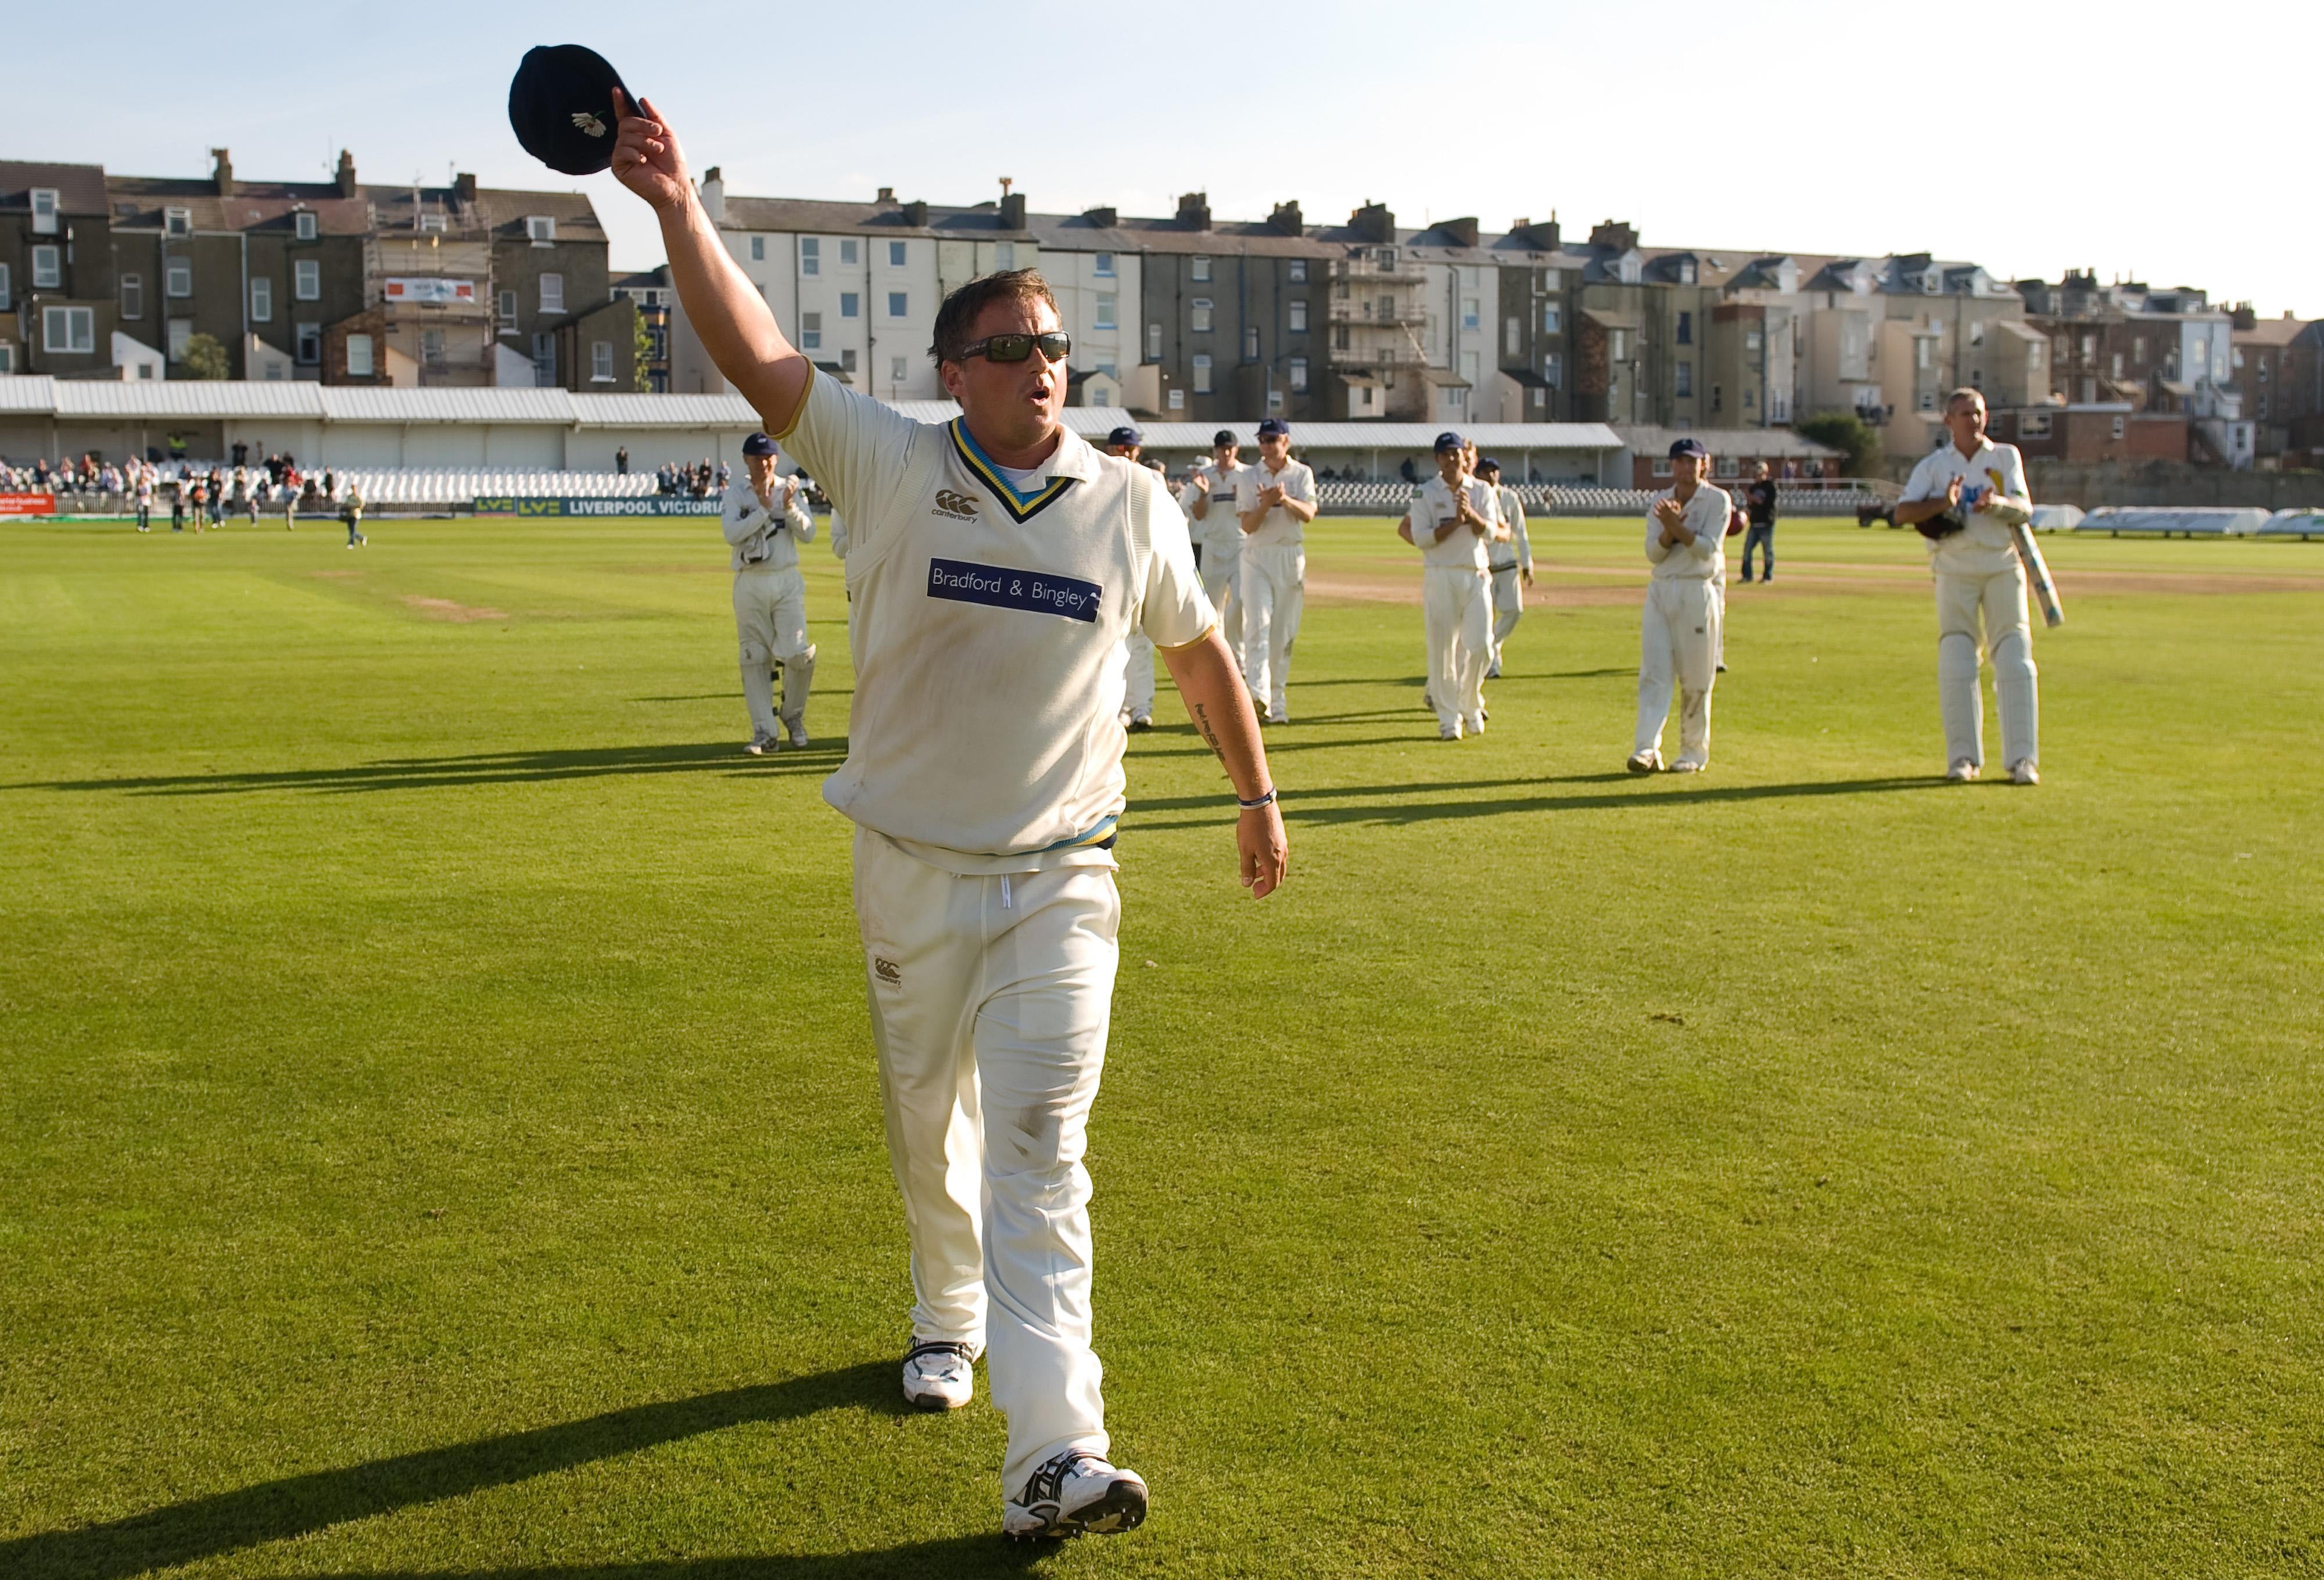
960	507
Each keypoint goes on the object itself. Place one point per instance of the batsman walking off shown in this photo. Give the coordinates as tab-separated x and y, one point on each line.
1686	527
1964	497
996	566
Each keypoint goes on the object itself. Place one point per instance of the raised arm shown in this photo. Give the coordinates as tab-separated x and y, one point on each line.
724	307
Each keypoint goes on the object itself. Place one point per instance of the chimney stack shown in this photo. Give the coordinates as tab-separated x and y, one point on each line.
223	175
1194	210
1012	211
714	194
887	197
346	174
1463	231
1104	218
463	188
916	212
1286	218
1374	222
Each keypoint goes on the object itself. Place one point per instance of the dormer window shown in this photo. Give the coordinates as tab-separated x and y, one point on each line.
44	210
177	221
434	223
305	222
539	230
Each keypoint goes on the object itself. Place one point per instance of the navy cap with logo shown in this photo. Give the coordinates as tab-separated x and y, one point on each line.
757	443
561	107
1486	463
1275	428
1448	440
1689	446
1225	436
1124	435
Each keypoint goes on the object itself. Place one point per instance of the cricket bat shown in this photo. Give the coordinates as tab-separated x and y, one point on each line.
2037	571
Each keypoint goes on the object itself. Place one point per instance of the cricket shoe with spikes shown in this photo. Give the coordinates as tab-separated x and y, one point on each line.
1075	1493
939	1374
1647	762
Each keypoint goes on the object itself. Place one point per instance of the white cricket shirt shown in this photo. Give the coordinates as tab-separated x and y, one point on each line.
990	627
1518	549
1220	532
1984	546
764	537
1434	505
1706	517
1278	528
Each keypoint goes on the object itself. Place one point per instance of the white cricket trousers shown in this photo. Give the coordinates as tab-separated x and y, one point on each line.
1270	583
1456	602
770	624
1678	645
1997	599
1508	607
990	998
1219	586
1138	697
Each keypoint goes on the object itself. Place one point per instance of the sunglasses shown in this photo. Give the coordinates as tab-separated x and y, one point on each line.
1055	345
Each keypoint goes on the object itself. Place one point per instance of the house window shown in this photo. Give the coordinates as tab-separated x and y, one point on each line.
2263	408
1298	311
1928	402
1202	372
1103	267
848	304
307	279
1200	269
305	223
359	356
508	310
1451	400
1250	343
1297	273
810	331
1274	401
1921	351
47	268
1200	309
177	221
600	362
1153	342
1553	371
431	347
2118	365
899	304
1469	320
1977	332
1662	467
2138	350
897	252
1004	255
69	329
758	249
544	360
178	276
2117	427
2034	354
8	295
133	293
552	293
44	210
1384	257
1105	311
1100	398
435	223
1298	374
540	229
180	335
2034	425
1750	339
1717	397
1618	345
810	255
2263	361
847	252
1685	330
895	374
1540	399
262	300
1512	334
8	360
1178	400
308	341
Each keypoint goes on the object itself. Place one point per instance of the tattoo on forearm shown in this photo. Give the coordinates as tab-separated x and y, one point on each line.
1202	723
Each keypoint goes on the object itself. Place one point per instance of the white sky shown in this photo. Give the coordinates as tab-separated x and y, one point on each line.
2162	143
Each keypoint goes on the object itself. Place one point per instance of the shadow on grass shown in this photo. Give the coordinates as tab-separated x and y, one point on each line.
967	1555
395	773
225	1522
1320	806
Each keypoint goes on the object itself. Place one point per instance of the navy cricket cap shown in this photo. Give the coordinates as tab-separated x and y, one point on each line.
1448	440
561	107
1275	428
1486	463
1689	446
757	443
1225	436
1124	435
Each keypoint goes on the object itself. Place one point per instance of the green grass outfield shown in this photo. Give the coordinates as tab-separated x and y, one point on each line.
438	1133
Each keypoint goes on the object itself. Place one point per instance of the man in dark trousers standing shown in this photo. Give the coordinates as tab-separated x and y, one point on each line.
1759	504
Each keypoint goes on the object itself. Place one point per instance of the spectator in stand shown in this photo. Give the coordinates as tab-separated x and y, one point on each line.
622	461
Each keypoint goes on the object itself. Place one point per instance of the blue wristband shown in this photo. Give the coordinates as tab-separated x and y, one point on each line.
1266	800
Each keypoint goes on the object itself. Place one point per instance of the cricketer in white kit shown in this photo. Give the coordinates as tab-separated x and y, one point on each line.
1512	562
996	566
1451	522
765	520
1678	643
1964	497
1273	503
1210	502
